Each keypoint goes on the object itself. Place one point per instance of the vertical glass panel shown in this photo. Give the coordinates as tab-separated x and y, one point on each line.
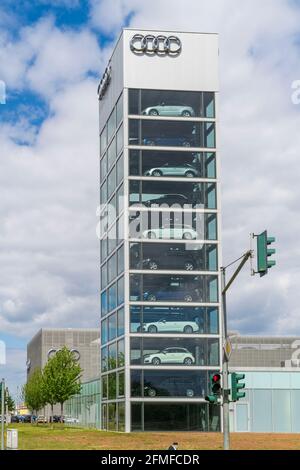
211	199
210	165
112	356
120	254
119	109
112	239
111	154
103	167
112	417
103	140
135	319
281	414
121	417
112	268
104	332
262	411
209	104
103	193
103	303
112	326
112	297
111	125
134	136
121	322
295	410
212	321
103	276
213	289
104	387
120	197
121	353
213	352
104	417
214	418
212	257
121	384
209	135
135	351
211	227
103	249
133	99
136	383
111	186
104	359
121	291
120	170
136	417
120	141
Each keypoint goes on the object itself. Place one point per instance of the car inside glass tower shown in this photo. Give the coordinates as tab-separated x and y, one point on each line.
159	261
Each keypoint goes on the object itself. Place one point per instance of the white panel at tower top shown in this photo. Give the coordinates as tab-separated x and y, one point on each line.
194	69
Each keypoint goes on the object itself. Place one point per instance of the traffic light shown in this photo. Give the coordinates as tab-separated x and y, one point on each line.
215	383
236	386
264	253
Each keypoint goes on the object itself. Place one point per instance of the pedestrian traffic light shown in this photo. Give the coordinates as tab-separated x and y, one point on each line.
264	253
236	386
216	389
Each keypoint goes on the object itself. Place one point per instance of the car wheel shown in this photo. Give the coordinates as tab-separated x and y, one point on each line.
152	329
189	174
187	236
151	392
153	265
156	173
156	361
188	298
188	266
150	142
190	393
186	113
186	144
152	235
153	112
188	329
188	361
151	298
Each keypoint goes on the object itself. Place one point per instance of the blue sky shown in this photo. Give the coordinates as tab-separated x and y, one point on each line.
52	54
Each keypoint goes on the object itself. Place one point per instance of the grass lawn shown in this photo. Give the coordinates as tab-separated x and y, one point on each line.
33	437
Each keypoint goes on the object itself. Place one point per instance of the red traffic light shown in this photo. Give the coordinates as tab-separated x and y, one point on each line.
216	378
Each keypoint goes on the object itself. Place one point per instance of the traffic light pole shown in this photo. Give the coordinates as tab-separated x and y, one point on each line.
225	360
2	413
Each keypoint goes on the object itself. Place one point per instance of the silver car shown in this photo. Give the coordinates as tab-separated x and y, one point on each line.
169	110
184	170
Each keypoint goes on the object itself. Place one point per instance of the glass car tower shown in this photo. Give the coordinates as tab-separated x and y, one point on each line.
159	232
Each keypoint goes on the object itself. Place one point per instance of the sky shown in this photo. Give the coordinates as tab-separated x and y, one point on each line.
52	55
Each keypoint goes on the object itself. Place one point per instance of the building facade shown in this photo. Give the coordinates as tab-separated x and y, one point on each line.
85	344
159	232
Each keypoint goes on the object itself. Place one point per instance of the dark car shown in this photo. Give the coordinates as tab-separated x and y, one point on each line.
174	386
14	419
169	199
173	293
171	259
174	141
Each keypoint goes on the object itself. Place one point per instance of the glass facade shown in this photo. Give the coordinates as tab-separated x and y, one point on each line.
159	252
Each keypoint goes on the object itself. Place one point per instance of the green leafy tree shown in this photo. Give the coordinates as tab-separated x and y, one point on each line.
61	378
9	402
34	393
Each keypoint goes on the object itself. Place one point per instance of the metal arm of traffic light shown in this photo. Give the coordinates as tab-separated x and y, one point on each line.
245	258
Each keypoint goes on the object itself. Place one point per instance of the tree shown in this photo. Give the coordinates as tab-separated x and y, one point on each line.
9	402
33	391
61	378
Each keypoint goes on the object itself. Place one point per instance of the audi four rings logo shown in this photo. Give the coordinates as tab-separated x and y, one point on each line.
160	45
105	81
53	351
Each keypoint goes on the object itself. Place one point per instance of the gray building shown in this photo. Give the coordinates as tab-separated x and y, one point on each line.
160	231
85	344
272	377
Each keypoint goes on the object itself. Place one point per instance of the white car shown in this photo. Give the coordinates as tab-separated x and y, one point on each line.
163	109
177	232
70	420
179	326
170	356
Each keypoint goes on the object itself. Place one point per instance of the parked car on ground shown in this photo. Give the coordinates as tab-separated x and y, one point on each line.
184	170
71	420
163	109
41	419
177	232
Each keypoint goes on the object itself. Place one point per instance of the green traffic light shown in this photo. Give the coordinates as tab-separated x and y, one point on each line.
264	253
236	386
